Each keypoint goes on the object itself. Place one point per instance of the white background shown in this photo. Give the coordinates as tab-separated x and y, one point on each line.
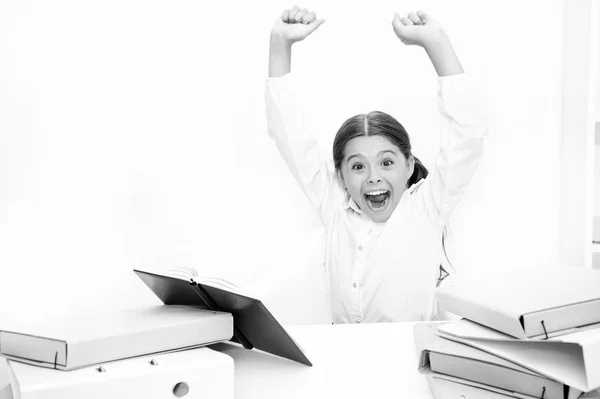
132	134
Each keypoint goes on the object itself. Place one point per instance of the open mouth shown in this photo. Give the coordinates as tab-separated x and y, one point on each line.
377	200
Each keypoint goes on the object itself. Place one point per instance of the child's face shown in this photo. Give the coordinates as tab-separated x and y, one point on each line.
375	172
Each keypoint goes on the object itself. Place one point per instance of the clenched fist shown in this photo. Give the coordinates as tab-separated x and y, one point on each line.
417	28
295	25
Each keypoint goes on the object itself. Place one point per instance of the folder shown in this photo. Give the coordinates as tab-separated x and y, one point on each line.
446	388
453	361
573	359
75	341
532	303
194	373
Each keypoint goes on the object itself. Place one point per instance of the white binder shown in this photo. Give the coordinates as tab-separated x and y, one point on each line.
190	374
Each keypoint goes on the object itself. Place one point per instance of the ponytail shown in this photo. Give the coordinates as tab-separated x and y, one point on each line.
420	172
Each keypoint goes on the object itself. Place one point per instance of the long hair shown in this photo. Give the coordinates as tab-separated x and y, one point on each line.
372	124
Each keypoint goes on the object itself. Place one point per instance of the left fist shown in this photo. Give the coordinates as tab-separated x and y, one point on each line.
417	29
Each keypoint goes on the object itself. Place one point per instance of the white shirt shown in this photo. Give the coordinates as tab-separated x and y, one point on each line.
382	271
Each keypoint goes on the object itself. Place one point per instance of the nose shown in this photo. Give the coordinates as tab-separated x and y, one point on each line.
374	177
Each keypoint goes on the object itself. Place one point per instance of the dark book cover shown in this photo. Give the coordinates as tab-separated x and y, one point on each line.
254	325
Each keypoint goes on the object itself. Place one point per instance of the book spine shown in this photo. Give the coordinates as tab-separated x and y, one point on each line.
210	302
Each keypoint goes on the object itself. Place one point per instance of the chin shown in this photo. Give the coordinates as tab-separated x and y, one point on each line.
379	218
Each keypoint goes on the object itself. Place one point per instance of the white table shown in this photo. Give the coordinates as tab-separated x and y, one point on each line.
364	361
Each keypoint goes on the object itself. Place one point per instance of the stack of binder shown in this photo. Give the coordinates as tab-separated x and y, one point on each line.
139	352
149	352
524	334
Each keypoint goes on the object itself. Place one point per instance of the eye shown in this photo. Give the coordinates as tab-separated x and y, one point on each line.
387	163
357	166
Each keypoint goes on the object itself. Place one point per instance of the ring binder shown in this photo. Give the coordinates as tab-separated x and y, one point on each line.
544	327
503	303
67	342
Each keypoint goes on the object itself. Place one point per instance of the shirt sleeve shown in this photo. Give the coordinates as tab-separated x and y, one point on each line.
300	151
461	146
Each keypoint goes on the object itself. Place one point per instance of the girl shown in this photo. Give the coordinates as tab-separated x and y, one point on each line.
384	214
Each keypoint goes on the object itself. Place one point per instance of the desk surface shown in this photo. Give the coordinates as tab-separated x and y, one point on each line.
349	361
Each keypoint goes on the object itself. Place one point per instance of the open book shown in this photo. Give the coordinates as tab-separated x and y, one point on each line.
253	325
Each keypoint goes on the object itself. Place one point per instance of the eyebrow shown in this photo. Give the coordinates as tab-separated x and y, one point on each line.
378	154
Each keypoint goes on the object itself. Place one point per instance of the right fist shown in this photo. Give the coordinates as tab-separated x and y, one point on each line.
295	25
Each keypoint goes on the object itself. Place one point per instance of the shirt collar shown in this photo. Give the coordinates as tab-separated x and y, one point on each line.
350	203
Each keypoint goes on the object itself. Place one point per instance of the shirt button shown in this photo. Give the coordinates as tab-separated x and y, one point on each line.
360	247
354	285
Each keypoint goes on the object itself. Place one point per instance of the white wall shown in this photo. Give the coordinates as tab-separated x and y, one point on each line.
133	133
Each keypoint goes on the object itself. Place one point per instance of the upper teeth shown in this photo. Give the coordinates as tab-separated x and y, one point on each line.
377	192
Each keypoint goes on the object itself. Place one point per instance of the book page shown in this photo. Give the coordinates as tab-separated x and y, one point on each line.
183	273
189	273
221	283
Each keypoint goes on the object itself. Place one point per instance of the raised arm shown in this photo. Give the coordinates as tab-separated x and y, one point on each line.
422	30
293	26
462	127
284	101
